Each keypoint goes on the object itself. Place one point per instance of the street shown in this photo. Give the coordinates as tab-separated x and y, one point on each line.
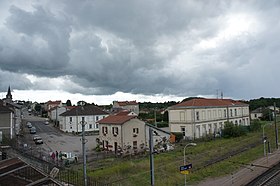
53	138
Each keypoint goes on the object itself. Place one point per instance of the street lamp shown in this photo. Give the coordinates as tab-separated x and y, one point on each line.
83	123
189	144
264	139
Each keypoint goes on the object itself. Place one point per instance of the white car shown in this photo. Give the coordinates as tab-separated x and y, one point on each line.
36	137
46	122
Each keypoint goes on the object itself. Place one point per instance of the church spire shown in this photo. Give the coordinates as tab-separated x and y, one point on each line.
9	94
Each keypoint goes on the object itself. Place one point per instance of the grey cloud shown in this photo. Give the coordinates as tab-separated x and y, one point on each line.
142	46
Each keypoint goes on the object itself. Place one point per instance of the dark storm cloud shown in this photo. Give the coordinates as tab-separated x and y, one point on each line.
184	48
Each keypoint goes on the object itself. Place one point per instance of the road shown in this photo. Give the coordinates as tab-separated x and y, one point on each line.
53	138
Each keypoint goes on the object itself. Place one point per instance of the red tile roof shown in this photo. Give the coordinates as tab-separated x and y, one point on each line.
124	103
203	102
119	118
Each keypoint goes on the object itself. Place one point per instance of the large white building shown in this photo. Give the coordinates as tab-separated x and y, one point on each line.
198	117
71	120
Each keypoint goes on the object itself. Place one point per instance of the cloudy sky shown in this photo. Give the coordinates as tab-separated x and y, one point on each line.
100	51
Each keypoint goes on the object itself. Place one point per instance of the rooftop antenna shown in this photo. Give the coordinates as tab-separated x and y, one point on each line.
222	95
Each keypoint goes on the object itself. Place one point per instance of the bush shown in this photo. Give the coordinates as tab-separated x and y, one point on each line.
255	125
231	130
178	136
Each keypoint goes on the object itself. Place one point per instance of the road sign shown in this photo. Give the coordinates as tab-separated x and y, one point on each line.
185	169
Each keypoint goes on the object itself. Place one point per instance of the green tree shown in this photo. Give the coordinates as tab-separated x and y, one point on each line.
38	107
68	103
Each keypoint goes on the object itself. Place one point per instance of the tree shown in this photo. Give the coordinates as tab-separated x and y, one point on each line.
68	103
38	107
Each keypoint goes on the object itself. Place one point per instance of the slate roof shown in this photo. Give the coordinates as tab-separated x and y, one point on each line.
205	102
118	119
87	110
4	109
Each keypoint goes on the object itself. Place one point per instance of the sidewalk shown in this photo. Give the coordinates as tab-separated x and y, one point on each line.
246	174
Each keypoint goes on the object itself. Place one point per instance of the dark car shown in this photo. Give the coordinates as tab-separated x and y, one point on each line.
39	141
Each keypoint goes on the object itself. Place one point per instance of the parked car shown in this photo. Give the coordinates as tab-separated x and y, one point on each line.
39	141
29	125
33	130
36	137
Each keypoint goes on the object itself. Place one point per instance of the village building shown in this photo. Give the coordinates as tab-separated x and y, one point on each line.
71	120
199	117
127	105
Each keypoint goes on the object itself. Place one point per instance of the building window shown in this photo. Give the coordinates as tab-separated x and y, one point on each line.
134	144
115	131
96	125
225	113
230	112
70	119
96	118
183	130
90	126
135	130
104	130
83	119
235	112
197	115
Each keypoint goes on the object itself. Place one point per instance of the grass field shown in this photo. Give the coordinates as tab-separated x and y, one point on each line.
205	158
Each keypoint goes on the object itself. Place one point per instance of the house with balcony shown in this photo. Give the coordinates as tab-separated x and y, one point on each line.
122	132
132	106
71	120
199	117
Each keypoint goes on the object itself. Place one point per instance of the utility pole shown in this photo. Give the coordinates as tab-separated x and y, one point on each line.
151	144
275	125
84	151
155	118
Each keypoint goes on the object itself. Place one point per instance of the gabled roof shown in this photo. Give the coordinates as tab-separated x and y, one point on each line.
124	103
258	110
86	110
205	102
57	102
119	118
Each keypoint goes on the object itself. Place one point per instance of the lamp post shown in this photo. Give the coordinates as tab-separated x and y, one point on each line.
264	138
83	123
189	144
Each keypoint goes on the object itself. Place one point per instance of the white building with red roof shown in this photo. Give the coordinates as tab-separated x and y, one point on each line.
127	105
199	117
122	132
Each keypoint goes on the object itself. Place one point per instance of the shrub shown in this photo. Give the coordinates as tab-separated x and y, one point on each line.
178	136
231	130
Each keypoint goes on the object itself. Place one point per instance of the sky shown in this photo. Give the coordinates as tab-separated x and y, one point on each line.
100	51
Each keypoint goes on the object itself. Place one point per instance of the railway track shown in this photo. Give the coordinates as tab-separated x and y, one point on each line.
270	177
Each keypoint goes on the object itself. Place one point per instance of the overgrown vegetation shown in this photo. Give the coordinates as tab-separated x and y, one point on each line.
135	170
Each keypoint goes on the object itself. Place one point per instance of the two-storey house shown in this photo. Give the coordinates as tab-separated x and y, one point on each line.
71	120
122	132
200	116
7	127
132	106
56	111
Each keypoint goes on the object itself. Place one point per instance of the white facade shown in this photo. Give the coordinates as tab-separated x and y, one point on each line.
74	123
129	136
198	121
